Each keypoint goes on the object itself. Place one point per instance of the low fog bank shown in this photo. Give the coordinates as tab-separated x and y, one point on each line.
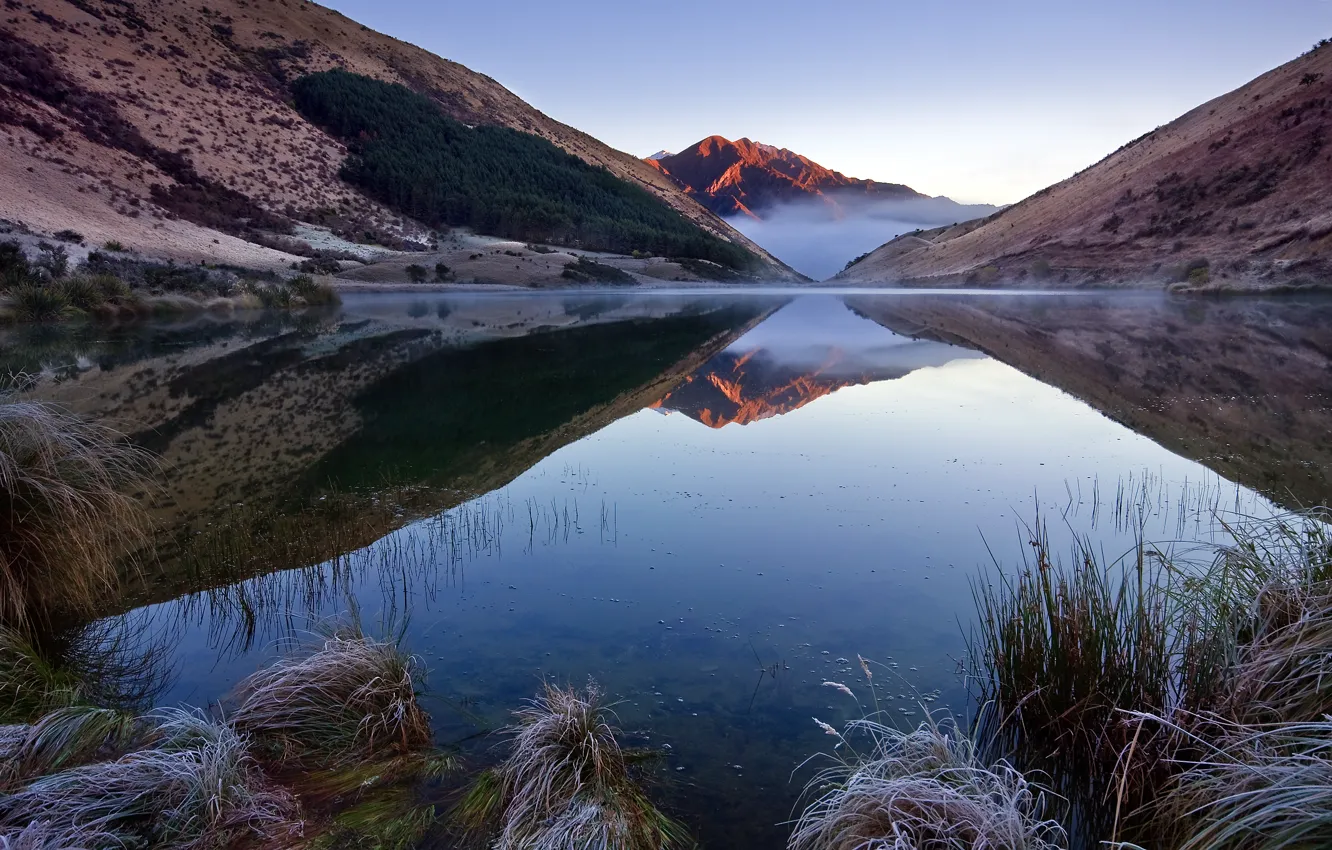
818	239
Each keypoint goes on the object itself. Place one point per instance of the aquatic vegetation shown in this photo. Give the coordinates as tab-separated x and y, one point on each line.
567	782
351	700
197	786
1167	681
918	789
1062	647
66	513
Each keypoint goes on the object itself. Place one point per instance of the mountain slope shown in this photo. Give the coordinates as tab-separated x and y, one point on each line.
100	100
746	178
1237	193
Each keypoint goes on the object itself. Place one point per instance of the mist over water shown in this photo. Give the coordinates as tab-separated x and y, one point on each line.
818	238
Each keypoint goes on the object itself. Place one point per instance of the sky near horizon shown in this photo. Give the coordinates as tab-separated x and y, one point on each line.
981	101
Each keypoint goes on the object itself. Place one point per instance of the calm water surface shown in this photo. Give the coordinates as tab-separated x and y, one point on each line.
709	505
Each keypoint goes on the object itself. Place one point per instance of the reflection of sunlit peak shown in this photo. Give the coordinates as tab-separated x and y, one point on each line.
809	349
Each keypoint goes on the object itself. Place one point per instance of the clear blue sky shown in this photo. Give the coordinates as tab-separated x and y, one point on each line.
976	99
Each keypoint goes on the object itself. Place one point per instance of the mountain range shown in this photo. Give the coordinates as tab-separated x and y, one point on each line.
1232	195
172	129
748	178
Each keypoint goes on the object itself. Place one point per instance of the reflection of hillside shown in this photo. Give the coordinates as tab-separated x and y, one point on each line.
296	447
809	349
1243	386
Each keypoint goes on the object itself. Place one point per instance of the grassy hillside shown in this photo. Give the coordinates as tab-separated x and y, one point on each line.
1232	195
406	153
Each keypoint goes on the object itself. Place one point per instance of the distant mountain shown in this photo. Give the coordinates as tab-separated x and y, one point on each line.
749	178
172	128
659	155
1235	194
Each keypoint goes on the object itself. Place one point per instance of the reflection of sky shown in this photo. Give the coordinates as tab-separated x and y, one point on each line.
853	525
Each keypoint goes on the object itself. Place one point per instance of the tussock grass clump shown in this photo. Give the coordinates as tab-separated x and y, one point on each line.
924	789
64	738
65	513
566	783
83	293
1252	788
195	787
35	303
351	700
313	293
30	685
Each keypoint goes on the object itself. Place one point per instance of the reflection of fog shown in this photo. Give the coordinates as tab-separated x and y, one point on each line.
817	239
820	333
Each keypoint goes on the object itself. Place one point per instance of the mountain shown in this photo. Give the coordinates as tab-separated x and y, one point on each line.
748	178
658	155
1236	194
172	128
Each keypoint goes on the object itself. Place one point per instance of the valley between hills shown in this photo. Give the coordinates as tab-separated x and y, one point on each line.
281	138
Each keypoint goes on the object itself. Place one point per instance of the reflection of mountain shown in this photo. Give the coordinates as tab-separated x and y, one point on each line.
810	348
742	388
1243	386
298	444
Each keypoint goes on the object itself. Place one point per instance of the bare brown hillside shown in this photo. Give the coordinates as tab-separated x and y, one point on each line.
101	100
1235	194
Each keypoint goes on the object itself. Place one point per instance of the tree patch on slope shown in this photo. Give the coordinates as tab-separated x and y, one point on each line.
406	153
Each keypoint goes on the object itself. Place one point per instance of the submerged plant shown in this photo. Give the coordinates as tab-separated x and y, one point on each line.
925	789
566	783
352	699
66	513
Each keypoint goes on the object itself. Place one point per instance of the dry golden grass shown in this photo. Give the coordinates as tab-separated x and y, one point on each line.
66	512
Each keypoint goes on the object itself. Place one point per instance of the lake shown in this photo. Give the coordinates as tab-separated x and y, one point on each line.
710	503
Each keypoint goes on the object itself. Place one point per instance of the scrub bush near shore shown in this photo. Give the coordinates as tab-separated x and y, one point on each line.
105	287
924	788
